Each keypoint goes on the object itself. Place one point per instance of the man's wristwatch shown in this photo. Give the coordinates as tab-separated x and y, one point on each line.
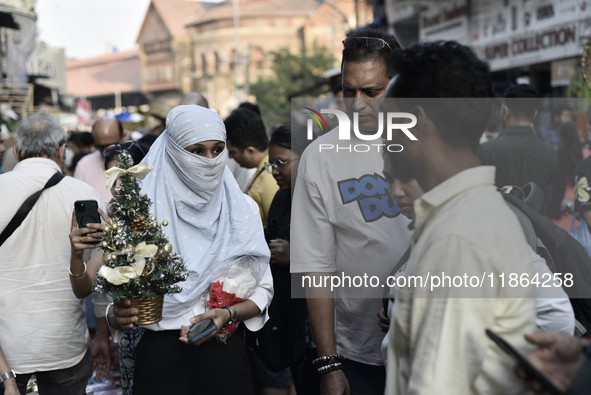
6	376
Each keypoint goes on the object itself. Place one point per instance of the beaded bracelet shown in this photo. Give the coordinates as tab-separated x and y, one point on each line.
330	368
327	359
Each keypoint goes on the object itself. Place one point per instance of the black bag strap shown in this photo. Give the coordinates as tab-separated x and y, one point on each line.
254	179
24	209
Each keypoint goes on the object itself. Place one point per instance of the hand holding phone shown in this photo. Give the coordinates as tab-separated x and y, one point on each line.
87	212
528	369
200	330
82	235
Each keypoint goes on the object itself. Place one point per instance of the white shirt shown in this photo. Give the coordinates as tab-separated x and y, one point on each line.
261	296
42	323
91	170
438	341
553	309
336	227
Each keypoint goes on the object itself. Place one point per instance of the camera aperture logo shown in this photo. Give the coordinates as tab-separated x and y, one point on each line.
317	117
345	130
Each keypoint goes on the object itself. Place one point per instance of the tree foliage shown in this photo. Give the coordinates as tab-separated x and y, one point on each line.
578	88
291	74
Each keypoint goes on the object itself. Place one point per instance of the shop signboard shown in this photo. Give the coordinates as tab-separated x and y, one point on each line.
562	71
514	33
83	112
444	20
511	33
533	47
493	20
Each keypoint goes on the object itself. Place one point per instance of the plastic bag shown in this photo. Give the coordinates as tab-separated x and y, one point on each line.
582	235
230	288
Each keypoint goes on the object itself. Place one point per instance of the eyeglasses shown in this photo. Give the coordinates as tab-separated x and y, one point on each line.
277	165
123	147
372	43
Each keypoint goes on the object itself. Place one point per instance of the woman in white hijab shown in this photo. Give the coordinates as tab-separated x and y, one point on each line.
214	227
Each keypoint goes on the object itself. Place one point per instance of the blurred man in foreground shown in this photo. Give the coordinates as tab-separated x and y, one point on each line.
463	227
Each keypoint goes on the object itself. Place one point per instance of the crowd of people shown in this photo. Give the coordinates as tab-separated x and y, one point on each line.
284	207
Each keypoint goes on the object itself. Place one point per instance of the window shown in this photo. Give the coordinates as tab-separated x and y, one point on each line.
160	74
204	64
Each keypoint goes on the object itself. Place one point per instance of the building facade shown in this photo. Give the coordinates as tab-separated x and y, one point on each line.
109	81
165	49
264	26
539	42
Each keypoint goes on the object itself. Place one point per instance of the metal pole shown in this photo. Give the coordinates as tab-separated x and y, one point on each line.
356	13
83	83
247	77
117	99
1	54
237	59
333	31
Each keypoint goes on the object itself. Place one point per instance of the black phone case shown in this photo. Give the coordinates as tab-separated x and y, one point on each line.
86	212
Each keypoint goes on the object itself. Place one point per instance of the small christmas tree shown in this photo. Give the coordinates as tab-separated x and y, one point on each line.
138	259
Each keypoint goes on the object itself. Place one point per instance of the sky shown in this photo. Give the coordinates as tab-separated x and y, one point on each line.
90	28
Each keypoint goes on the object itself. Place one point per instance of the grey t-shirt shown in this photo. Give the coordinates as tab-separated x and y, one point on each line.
344	221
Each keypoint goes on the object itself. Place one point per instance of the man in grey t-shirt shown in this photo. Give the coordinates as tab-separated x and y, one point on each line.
344	222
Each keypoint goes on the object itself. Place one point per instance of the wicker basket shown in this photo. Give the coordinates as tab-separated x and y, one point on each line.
150	310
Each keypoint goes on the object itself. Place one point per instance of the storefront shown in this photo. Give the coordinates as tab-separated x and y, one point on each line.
536	42
539	42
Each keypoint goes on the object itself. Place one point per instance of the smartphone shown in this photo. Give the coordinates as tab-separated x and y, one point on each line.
201	329
530	371
87	213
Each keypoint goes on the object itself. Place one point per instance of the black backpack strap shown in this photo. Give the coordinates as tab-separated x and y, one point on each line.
24	209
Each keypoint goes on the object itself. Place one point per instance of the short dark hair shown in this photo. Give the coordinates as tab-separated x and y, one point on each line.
251	106
294	137
135	149
446	69
246	129
148	139
82	139
358	51
521	109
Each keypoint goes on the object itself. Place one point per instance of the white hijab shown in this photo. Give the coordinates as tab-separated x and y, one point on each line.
211	224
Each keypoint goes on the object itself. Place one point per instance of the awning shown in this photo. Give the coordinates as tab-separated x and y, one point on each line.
6	20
